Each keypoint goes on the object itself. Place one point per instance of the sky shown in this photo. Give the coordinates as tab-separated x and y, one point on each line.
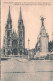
31	18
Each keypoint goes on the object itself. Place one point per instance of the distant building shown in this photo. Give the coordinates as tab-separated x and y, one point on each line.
43	39
14	43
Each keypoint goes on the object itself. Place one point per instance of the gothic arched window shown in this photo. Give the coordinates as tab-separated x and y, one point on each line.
8	33
9	52
20	34
8	41
9	26
15	43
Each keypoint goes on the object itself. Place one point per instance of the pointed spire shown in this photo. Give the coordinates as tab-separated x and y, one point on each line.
20	18
9	15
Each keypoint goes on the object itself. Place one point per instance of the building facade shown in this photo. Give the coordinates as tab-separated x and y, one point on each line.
14	43
43	39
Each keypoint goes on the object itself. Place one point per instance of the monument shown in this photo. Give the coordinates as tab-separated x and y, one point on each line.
42	41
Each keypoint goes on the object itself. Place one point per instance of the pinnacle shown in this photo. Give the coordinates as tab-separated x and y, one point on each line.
20	18
9	15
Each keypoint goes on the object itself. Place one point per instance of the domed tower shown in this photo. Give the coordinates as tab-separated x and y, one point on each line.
8	35
21	34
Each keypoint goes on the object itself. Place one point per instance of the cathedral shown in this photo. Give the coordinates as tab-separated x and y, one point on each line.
14	43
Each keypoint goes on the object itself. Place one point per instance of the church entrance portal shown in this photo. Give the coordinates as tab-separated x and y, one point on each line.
15	51
20	52
9	52
14	43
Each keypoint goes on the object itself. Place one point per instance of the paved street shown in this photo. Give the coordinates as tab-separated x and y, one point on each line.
15	69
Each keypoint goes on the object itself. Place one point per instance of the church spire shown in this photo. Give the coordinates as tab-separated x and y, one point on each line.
9	15
20	17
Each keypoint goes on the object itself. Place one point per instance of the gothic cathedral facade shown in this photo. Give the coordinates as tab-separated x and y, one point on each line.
14	43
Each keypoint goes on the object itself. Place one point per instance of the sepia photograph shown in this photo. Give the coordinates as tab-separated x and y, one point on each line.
26	40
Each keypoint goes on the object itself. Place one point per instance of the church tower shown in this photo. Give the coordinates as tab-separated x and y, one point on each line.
8	35
21	34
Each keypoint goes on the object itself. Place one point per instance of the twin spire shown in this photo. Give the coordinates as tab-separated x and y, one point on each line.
20	17
9	14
